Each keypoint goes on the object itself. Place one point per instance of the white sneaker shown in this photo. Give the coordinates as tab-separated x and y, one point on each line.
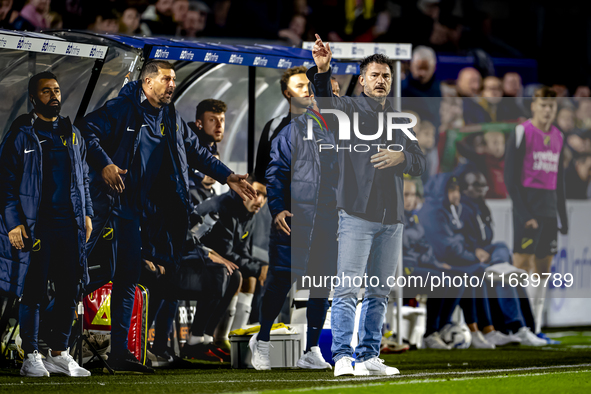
313	360
479	342
33	366
374	366
499	339
64	363
434	341
344	367
528	338
260	353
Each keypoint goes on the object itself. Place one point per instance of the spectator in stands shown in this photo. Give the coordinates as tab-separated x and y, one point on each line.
426	138
195	21
11	19
444	230
418	260
565	120
158	18
582	92
490	162
294	86
106	21
180	8
484	109
510	307
577	177
583	114
469	82
35	12
421	82
129	23
512	86
295	31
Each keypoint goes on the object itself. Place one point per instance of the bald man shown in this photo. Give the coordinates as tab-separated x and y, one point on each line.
469	82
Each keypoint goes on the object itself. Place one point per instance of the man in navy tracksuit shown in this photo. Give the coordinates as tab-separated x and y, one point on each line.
303	235
139	153
44	224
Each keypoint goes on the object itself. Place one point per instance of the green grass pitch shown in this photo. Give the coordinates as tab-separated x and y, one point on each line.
551	369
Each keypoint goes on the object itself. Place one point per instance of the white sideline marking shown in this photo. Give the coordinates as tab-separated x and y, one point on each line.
356	379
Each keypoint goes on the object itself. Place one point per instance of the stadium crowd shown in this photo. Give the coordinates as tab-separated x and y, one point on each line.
201	243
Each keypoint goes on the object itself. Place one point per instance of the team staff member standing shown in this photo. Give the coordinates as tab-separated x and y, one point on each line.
370	224
46	216
140	151
535	181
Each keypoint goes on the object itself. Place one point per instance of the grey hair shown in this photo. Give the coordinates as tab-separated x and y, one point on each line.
424	53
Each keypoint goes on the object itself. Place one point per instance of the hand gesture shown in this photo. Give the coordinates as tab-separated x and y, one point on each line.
322	55
216	258
280	223
112	176
239	185
532	223
386	158
482	255
16	236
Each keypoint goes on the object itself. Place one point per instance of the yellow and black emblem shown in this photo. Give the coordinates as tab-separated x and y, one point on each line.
37	246
108	233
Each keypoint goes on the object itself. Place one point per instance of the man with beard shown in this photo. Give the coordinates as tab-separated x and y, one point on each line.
140	151
46	216
371	209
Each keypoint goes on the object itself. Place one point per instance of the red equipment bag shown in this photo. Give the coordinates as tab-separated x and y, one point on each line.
97	317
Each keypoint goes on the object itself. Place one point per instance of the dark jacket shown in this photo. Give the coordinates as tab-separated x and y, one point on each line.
416	251
358	174
444	230
113	133
232	235
296	191
204	139
20	195
477	219
270	131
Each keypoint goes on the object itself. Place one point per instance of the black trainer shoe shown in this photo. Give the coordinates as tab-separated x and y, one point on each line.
166	359
127	362
200	352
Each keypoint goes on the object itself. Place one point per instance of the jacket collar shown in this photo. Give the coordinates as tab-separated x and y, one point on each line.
375	106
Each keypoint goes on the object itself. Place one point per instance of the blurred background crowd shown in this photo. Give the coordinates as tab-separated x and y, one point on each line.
554	34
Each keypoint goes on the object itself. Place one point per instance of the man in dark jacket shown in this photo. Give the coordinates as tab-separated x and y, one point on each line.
306	244
140	151
44	224
370	203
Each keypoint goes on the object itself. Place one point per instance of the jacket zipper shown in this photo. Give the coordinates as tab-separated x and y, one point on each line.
384	216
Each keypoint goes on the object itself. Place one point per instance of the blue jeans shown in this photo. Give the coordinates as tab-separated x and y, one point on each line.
364	247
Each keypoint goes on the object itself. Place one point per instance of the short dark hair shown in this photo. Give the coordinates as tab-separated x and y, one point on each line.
544	92
215	106
34	81
153	66
290	72
376	58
